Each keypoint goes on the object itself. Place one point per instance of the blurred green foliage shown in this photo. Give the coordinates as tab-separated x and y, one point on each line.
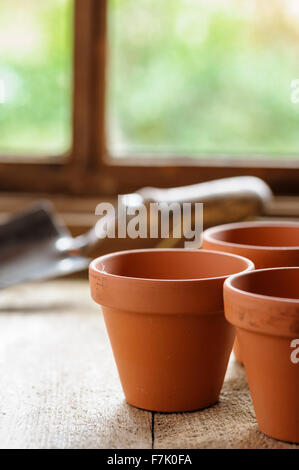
185	77
203	77
36	75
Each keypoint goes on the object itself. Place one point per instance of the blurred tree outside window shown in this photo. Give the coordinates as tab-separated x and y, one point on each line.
199	78
203	78
36	55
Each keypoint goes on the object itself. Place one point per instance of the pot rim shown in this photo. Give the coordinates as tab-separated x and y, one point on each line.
266	298
93	265
208	235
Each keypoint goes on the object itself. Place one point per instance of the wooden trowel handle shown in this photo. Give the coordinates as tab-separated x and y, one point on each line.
225	200
237	187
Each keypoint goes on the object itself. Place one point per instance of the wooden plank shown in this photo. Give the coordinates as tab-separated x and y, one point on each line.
230	424
284	206
58	384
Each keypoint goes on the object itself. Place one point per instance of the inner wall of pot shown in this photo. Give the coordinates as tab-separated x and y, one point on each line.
172	265
275	283
278	236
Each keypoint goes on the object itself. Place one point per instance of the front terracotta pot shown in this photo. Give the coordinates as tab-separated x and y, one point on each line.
163	311
264	307
267	244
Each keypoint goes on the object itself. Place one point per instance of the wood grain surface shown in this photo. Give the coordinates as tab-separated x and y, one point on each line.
59	387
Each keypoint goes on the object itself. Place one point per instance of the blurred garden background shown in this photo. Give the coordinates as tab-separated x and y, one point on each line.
36	51
203	77
184	77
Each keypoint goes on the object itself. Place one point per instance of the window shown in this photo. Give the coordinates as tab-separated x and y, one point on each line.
104	96
203	78
35	77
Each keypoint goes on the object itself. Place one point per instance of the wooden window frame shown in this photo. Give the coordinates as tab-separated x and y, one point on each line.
87	170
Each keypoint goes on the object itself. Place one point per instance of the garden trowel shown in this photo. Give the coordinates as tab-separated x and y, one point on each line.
35	245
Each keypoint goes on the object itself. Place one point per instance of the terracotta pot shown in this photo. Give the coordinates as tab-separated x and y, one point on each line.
264	307
163	310
267	244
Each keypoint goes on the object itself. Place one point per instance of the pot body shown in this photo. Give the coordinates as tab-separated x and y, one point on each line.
167	329
267	244
172	362
267	328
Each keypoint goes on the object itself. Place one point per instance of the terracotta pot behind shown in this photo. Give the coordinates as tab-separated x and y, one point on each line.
267	244
164	315
264	307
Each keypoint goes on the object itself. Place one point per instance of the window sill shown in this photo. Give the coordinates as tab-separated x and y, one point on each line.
78	212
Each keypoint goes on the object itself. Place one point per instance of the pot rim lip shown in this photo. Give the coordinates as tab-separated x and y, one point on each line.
266	298
93	265
208	234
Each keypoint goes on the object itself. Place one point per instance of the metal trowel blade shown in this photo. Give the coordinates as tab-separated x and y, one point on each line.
31	248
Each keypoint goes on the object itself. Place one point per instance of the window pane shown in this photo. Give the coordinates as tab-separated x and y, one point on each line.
204	77
35	77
